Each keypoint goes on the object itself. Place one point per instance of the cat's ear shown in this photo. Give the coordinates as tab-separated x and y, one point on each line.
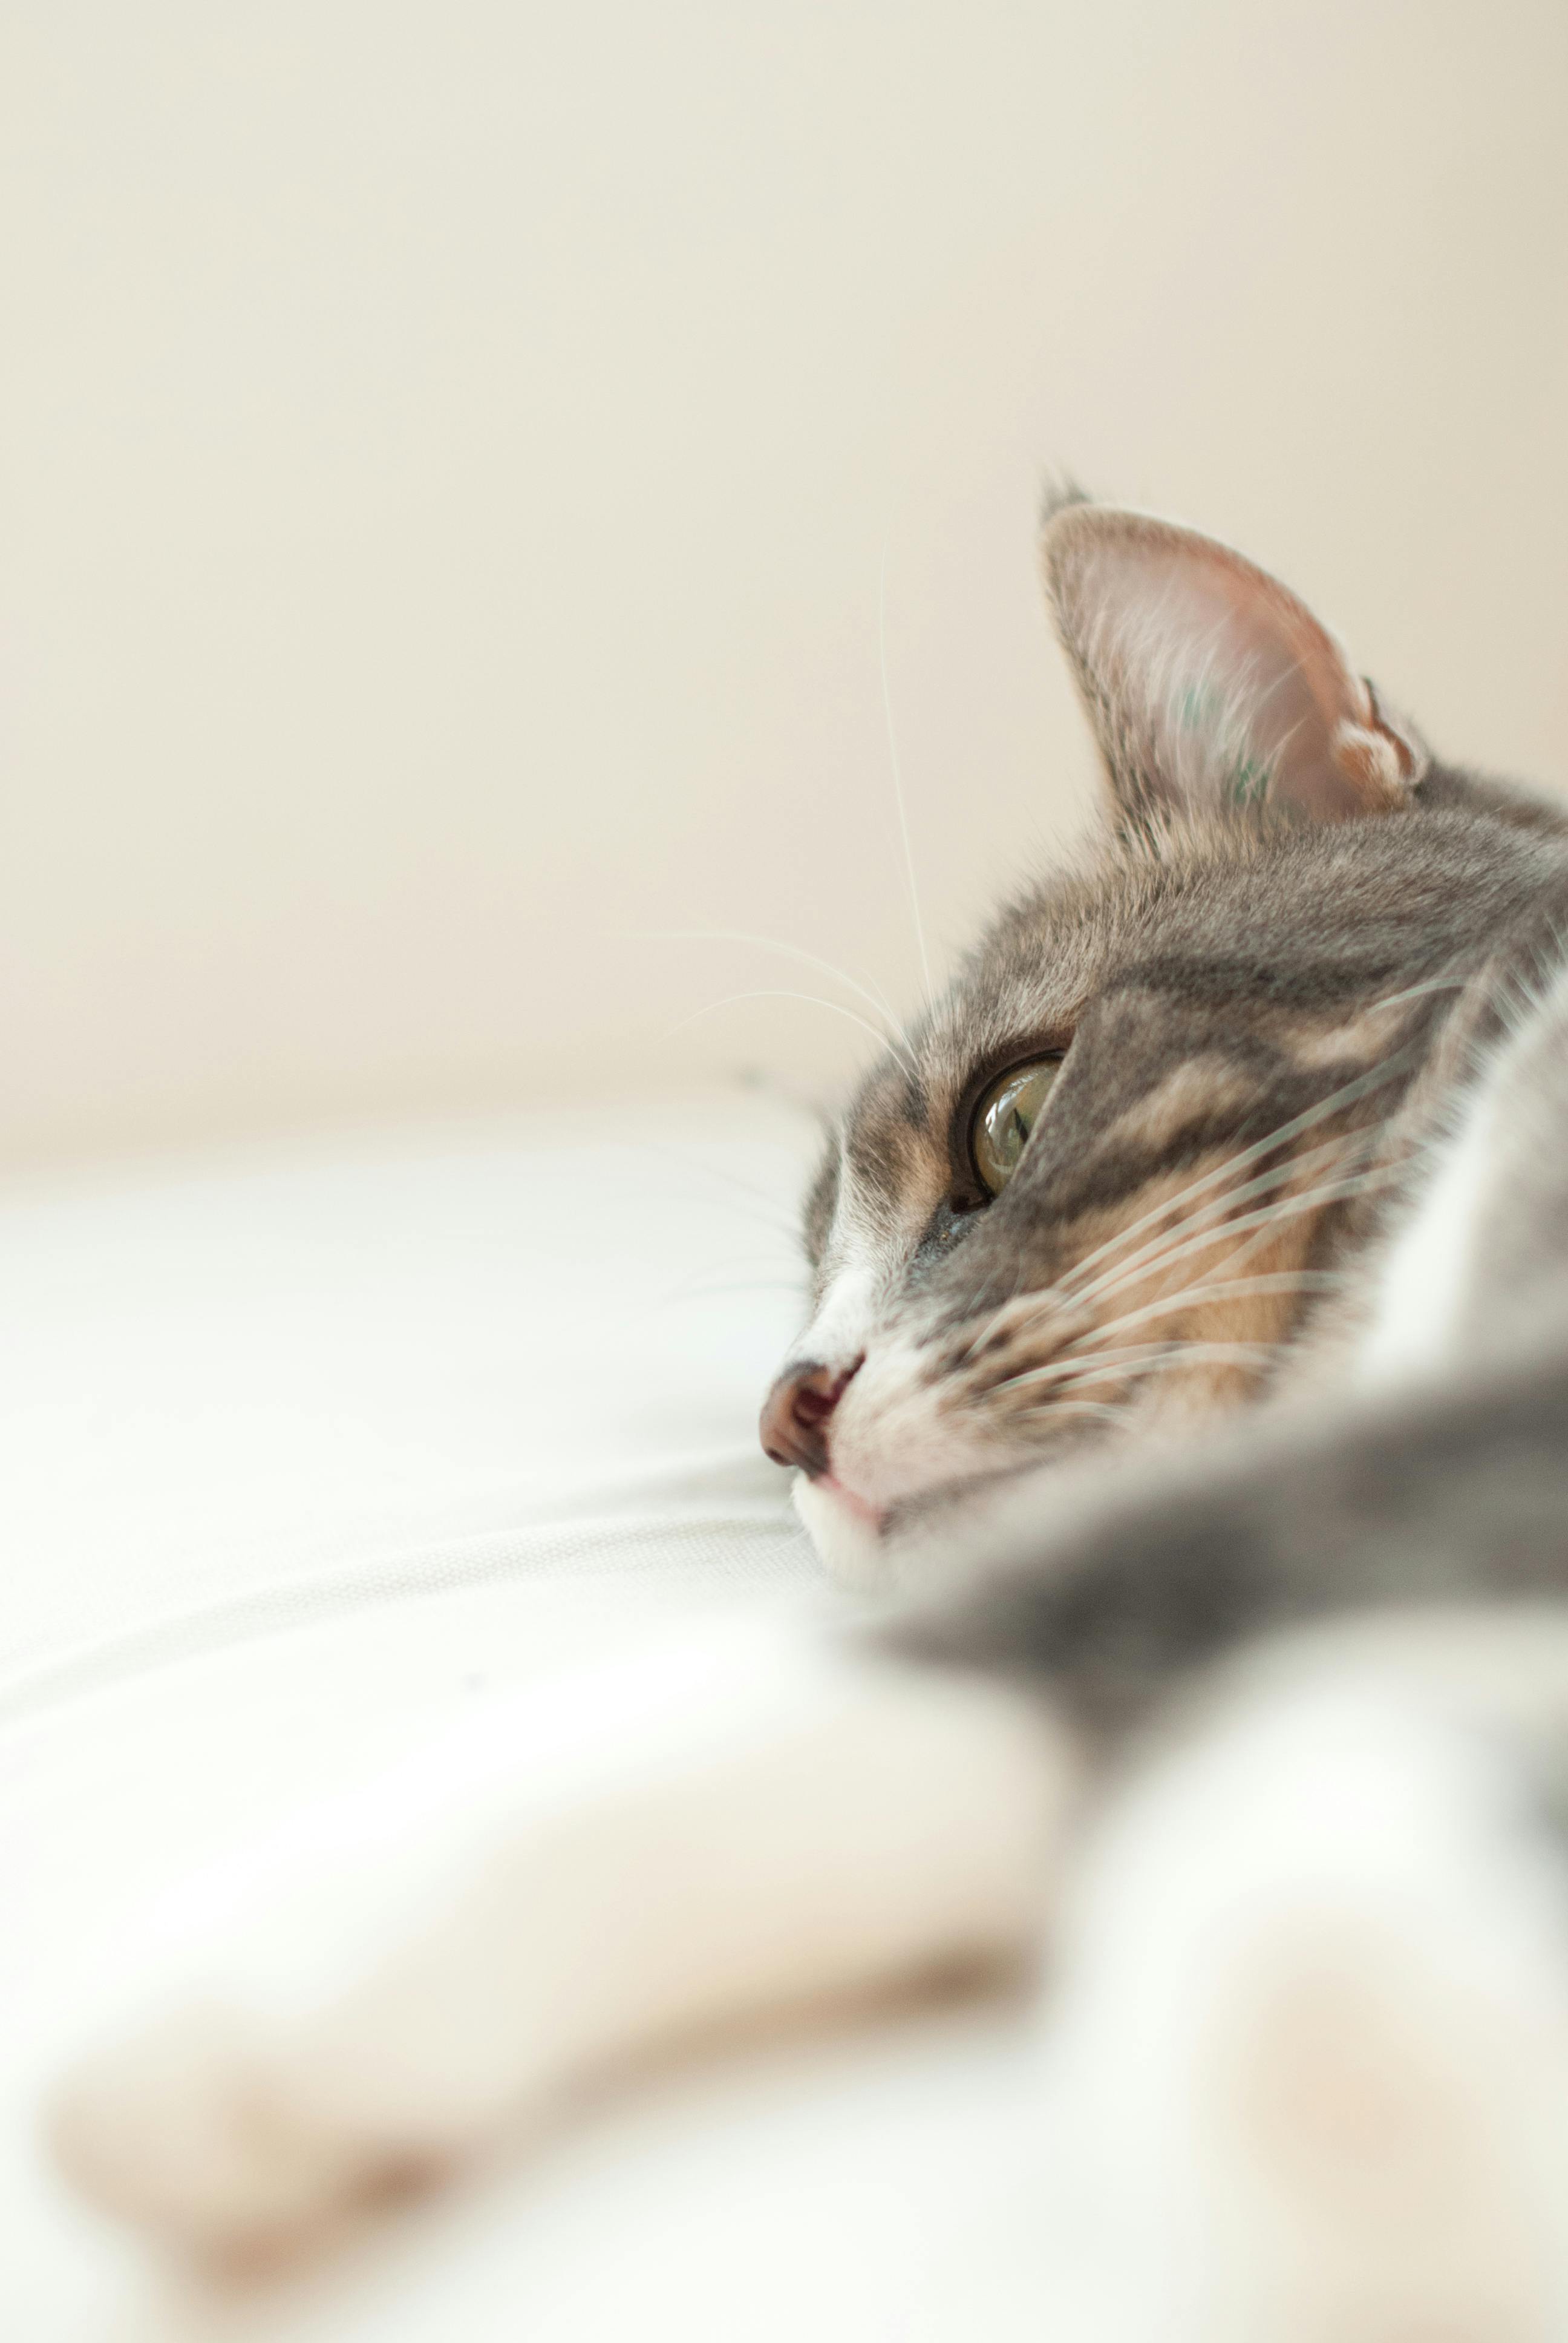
1209	685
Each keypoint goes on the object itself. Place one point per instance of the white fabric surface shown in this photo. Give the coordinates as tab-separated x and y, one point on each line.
300	1452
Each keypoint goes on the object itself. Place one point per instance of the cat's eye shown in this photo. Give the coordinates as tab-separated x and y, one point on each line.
1005	1117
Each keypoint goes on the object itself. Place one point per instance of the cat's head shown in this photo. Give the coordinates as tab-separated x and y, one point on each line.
1102	1180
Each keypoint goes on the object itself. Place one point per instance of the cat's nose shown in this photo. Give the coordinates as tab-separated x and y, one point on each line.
795	1413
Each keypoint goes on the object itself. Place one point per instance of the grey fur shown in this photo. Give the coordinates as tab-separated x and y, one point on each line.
1458	1497
1245	946
1241	942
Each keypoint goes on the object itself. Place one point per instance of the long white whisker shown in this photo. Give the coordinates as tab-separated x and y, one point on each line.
1346	1142
1164	1358
816	1001
1210	1215
750	1201
1117	1416
1352	1181
689	1293
872	995
1259	1219
1138	1358
898	772
979	1332
1268	1216
1270	1281
1415	992
1283	1280
1310	1116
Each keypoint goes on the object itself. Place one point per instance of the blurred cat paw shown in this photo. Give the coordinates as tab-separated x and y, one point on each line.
205	2126
1310	2059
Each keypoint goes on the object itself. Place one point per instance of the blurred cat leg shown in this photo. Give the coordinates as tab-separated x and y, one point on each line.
1309	2058
711	1831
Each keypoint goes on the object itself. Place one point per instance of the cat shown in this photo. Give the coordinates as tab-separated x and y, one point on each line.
1187	1374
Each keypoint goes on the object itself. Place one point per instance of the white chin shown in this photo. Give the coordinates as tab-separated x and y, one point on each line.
849	1549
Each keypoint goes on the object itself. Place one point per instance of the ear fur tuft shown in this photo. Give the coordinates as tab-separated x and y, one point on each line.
1059	494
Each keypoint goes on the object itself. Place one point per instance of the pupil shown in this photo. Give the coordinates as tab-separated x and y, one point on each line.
1007	1119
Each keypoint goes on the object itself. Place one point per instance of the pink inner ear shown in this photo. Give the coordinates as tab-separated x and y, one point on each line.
1267	659
1219	682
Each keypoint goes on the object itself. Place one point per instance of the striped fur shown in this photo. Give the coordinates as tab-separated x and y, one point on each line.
1268	1017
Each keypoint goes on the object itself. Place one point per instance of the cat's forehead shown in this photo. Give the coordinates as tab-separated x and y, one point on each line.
1222	929
1023	986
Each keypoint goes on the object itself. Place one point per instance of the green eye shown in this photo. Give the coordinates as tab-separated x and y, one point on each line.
1005	1117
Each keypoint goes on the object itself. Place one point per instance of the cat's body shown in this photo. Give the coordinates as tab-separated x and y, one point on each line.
1264	1118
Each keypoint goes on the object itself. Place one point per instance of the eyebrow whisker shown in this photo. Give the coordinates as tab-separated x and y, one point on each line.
816	1001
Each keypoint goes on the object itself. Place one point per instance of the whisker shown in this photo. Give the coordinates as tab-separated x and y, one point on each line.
1117	1416
1267	1216
1283	1280
815	1000
1209	1220
1138	1358
752	1203
1164	1358
1210	1214
1417	991
1346	1095
999	1311
1352	1184
898	773
872	994
756	1258
1273	1281
689	1293
1215	1213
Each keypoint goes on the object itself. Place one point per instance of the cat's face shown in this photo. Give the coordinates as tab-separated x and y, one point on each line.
1100	1183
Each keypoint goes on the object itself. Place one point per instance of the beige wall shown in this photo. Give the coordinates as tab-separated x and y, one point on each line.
449	452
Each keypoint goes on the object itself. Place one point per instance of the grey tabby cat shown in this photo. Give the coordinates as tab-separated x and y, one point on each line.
1190	1331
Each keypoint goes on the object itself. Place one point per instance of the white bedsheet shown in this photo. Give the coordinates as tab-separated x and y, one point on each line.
296	1455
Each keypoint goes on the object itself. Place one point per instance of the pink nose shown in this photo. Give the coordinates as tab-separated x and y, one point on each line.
796	1412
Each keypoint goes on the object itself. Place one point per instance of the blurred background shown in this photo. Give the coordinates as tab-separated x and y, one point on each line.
455	461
